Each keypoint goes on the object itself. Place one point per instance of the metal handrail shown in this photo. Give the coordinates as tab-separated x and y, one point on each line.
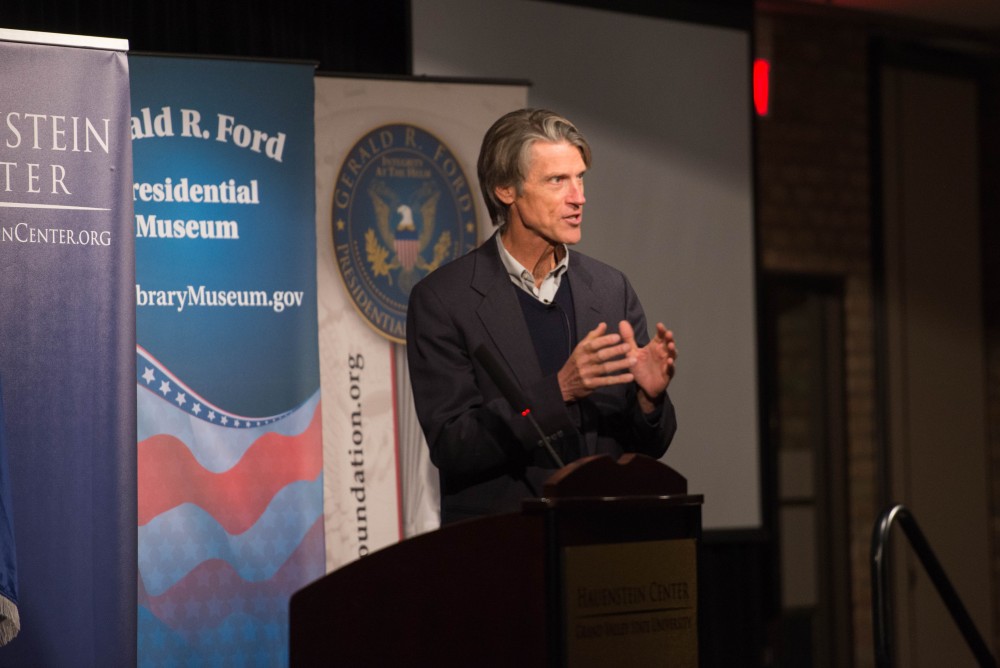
881	603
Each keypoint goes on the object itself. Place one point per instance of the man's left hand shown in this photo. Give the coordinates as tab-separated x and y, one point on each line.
653	365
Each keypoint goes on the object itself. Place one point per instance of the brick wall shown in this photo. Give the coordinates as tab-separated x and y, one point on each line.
814	199
814	216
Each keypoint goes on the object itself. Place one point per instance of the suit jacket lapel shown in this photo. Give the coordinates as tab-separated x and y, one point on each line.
585	301
501	315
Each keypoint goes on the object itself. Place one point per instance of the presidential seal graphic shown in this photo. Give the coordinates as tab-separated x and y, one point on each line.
401	208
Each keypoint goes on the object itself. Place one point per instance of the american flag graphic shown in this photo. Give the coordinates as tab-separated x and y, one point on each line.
230	516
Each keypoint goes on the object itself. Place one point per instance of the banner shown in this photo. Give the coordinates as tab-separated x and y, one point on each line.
229	452
397	197
10	618
66	357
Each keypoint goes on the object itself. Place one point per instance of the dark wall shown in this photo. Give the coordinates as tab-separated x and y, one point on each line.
364	36
372	36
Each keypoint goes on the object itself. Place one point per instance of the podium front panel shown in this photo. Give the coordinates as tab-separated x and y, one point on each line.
626	574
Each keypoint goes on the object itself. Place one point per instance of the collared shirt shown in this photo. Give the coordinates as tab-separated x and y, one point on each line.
524	279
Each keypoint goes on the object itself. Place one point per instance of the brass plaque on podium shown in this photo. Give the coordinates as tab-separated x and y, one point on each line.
631	604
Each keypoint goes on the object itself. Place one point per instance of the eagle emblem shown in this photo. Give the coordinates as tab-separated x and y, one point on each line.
407	228
401	209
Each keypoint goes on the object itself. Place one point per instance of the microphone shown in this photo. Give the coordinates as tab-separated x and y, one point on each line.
513	394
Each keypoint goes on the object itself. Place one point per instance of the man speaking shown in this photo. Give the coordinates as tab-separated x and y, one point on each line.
523	320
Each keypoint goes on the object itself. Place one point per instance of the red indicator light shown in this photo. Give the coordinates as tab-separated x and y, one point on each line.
761	86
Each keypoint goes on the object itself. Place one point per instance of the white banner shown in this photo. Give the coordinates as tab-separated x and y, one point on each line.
396	196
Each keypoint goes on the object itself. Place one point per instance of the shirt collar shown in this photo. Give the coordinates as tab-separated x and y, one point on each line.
523	278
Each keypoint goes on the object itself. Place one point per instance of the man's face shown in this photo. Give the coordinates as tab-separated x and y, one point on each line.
550	204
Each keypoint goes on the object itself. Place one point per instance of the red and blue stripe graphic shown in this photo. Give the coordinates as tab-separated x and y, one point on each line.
230	515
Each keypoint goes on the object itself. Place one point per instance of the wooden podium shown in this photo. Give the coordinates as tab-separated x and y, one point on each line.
602	570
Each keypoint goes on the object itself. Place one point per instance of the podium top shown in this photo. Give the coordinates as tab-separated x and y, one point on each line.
599	476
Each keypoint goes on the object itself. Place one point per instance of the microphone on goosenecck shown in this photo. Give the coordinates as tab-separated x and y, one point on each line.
513	394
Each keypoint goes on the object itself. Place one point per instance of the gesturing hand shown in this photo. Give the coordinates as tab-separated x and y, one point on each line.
654	364
597	361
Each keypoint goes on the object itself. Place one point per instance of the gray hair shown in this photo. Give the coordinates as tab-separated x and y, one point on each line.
506	150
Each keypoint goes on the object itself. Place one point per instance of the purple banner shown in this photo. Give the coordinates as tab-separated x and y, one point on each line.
67	346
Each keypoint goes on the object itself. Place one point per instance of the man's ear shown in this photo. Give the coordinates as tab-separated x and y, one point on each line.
506	194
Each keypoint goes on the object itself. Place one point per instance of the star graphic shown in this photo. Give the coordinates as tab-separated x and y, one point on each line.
211	416
340	225
148	375
181	399
224	420
165	388
196	409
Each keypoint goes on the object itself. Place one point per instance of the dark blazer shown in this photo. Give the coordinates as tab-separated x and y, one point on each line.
488	456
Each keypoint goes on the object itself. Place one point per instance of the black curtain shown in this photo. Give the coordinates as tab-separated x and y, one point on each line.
364	36
350	36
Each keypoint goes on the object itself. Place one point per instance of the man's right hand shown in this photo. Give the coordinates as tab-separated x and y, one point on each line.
597	361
